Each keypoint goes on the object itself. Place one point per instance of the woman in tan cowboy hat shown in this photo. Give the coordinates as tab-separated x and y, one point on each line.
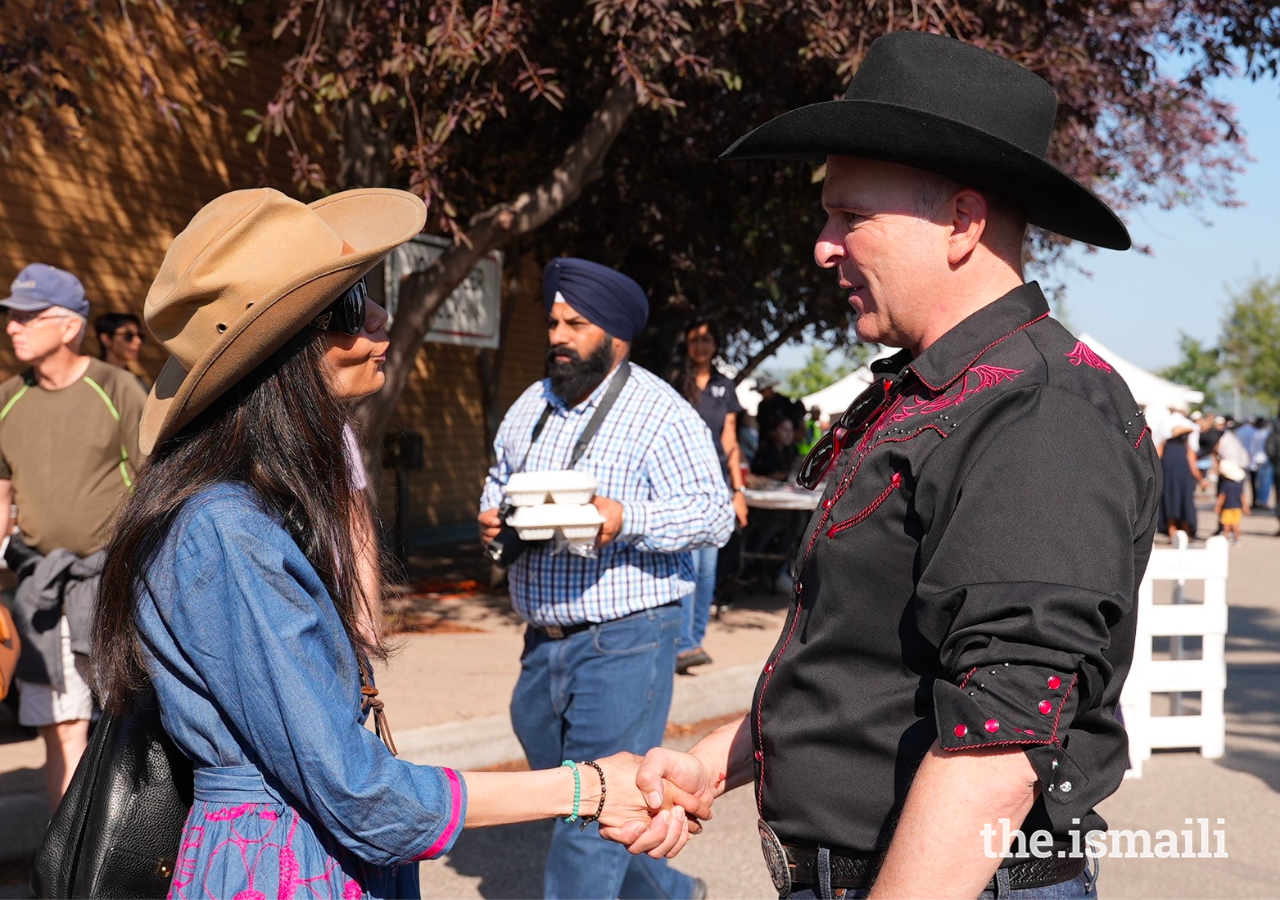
232	581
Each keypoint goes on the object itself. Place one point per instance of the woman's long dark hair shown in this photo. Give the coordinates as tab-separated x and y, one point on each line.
687	378
279	430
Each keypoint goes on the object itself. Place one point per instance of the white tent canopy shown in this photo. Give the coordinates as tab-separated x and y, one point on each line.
835	398
1157	395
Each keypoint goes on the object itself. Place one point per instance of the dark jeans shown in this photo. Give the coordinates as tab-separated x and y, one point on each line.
1083	887
594	694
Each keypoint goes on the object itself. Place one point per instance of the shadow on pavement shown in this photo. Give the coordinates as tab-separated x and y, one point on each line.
1253	718
507	859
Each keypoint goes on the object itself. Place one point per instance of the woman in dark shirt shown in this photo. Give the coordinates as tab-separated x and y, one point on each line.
713	395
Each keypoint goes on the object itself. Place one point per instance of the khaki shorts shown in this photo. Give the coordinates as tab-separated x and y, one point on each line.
40	705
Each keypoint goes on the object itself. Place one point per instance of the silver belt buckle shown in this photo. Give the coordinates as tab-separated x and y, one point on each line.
775	858
554	632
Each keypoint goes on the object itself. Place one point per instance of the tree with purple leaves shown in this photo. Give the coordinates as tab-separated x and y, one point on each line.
503	115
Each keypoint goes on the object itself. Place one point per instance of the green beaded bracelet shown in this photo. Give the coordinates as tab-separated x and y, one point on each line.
577	788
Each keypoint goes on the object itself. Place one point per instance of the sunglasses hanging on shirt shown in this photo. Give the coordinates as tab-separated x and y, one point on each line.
851	425
346	315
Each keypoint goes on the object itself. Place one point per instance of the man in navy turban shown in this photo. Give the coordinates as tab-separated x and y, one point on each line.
599	655
578	292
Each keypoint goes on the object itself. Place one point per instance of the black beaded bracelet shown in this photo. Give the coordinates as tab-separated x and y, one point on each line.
582	825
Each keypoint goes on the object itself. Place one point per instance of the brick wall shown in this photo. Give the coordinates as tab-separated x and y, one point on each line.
107	207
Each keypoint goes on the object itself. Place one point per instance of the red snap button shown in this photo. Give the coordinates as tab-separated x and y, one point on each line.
759	756
961	731
1054	682
992	726
1046	707
828	503
769	668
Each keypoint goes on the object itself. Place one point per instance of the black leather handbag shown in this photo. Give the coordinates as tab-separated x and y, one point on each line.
118	829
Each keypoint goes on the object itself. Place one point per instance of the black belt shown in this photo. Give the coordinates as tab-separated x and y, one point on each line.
858	871
560	632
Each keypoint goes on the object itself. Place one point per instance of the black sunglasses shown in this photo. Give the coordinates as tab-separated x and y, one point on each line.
852	423
346	315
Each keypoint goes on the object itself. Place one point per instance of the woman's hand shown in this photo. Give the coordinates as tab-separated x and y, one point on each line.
628	818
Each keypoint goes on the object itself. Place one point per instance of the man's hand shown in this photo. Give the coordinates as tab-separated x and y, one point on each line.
490	525
612	512
667	777
740	507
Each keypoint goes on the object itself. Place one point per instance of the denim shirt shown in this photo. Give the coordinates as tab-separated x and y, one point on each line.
254	671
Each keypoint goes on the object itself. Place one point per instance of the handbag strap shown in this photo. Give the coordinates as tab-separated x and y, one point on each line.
369	701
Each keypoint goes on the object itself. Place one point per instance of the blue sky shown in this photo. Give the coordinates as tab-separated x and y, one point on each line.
1136	304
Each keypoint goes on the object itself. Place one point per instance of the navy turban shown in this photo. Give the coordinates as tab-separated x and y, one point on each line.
601	295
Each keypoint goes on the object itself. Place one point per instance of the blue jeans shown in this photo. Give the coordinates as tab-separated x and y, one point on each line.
593	694
697	606
1083	887
1266	478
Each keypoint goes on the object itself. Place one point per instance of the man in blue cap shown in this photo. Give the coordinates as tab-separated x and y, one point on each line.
599	658
68	444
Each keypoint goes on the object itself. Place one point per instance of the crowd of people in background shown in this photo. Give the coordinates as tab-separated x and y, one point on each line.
1234	461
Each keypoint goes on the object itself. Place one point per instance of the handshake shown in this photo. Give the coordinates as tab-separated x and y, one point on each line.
661	800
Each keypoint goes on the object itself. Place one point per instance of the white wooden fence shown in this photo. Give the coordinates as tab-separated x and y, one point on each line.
1207	676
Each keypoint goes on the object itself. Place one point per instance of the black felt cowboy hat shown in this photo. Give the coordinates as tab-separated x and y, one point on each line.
939	104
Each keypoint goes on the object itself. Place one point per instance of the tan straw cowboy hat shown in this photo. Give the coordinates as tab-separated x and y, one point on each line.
247	274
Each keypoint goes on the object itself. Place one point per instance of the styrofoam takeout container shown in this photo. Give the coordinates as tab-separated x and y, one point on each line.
566	487
579	522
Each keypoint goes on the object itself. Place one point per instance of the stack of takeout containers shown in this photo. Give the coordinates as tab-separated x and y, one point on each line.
550	502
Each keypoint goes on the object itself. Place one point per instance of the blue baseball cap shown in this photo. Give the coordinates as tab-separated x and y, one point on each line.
39	286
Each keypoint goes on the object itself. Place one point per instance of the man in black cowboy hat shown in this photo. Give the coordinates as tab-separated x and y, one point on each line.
963	614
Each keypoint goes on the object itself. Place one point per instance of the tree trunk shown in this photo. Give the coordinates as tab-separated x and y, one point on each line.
489	362
770	348
421	293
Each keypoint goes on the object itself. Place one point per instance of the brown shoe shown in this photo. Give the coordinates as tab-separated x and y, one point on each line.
690	658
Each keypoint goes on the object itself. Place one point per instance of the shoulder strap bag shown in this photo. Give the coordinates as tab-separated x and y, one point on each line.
117	831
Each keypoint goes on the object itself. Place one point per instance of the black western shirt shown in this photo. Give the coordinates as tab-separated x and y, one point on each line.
969	577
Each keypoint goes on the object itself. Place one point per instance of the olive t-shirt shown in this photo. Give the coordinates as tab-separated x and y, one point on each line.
70	454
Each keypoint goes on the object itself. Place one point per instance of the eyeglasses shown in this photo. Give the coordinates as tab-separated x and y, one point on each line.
130	336
346	315
31	320
852	424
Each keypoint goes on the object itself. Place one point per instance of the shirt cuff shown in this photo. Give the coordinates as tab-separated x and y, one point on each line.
635	521
1002	703
444	842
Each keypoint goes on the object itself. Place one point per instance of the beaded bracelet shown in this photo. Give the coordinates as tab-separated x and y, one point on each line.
582	825
577	789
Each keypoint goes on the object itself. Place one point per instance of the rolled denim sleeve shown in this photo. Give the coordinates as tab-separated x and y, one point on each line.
257	626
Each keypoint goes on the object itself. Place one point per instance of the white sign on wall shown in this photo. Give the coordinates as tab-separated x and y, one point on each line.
472	315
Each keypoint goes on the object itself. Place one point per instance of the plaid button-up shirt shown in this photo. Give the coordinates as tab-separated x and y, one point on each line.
654	455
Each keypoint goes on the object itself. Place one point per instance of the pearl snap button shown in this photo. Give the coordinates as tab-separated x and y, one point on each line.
961	730
992	726
1054	682
1046	707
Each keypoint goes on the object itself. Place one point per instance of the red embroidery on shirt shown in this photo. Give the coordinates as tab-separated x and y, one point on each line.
1082	354
1142	434
976	380
894	484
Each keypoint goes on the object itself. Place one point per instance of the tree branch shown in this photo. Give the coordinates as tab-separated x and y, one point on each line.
422	292
770	348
